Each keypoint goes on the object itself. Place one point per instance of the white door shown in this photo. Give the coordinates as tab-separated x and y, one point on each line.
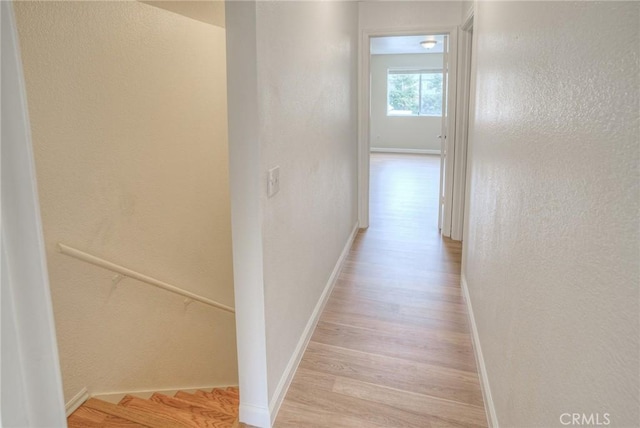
446	136
443	137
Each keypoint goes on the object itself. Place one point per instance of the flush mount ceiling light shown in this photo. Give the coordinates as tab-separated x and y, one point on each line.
428	44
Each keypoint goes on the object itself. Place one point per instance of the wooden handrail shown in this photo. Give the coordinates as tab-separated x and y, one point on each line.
97	261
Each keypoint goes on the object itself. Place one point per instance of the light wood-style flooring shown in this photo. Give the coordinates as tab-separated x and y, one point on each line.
392	347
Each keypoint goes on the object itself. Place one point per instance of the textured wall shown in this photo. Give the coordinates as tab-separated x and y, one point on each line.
408	14
401	132
307	54
552	244
209	11
128	110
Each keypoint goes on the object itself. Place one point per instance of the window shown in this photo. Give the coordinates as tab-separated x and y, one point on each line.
414	93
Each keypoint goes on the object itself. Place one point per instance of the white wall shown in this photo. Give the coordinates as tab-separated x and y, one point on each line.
552	244
398	132
31	387
408	14
128	113
305	62
307	53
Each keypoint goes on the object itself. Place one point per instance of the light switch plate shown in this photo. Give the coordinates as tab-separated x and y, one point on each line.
273	181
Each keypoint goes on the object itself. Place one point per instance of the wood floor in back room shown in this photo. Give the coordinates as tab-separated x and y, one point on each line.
392	347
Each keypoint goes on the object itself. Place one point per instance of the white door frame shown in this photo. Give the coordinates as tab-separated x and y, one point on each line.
462	127
364	104
30	367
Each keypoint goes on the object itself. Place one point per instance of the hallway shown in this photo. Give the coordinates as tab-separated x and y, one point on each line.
392	347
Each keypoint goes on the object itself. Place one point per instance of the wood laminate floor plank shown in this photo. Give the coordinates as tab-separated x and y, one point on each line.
436	408
221	419
391	312
206	402
75	421
140	418
220	396
295	415
416	300
371	412
176	415
392	347
420	378
89	414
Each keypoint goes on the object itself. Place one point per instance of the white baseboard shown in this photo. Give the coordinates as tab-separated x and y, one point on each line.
294	361
408	151
76	401
489	407
254	416
115	397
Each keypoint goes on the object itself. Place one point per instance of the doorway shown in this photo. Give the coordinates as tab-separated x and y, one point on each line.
407	105
408	76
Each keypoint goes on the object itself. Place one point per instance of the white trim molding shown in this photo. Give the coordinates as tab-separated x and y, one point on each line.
256	415
407	151
294	361
115	397
489	407
466	85
76	401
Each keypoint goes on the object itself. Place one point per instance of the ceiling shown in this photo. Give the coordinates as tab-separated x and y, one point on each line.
404	45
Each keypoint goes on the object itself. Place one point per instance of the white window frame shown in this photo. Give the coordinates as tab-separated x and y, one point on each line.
410	71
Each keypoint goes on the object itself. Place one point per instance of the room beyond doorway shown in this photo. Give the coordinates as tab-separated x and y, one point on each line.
407	93
407	105
408	100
